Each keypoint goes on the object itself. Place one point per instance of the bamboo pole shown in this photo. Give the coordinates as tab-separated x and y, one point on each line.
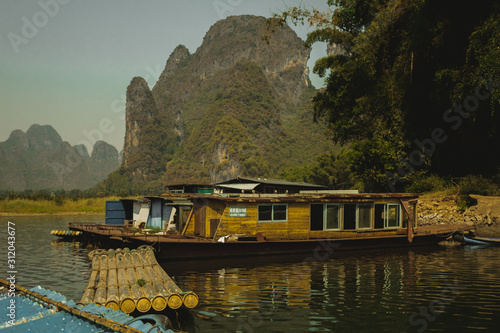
103	278
158	302
120	261
100	296
111	261
136	261
113	298
95	262
127	304
88	296
131	275
130	280
92	280
122	277
126	260
151	274
104	262
112	278
143	304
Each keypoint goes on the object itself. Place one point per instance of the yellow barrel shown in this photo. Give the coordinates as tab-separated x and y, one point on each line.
190	300
174	301
159	303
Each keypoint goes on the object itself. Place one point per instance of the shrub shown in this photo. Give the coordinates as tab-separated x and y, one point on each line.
432	183
473	184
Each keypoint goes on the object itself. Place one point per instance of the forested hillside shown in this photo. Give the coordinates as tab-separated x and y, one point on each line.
236	106
415	91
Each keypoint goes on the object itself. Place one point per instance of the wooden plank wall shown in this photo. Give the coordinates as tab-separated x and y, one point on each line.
297	226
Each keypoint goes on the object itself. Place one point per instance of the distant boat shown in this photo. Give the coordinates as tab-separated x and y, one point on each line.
481	241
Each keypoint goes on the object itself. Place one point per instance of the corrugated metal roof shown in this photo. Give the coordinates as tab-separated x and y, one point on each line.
271	181
36	314
238	186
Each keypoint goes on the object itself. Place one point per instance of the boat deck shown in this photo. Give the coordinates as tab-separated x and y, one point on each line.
123	233
176	247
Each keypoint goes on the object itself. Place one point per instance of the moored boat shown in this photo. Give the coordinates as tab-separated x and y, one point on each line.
474	240
185	226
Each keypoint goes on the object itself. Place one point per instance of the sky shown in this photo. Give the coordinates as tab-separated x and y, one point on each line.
67	63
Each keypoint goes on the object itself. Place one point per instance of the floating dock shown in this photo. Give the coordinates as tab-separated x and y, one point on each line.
130	280
42	310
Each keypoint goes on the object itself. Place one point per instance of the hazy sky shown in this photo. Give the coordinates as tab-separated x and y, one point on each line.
68	63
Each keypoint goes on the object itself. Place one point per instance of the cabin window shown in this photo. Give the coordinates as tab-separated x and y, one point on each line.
273	213
393	215
325	217
364	216
387	216
349	216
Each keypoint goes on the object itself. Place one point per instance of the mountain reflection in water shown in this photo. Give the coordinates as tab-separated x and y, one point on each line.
440	288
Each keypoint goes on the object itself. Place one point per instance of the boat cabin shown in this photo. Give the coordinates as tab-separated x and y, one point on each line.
156	213
301	216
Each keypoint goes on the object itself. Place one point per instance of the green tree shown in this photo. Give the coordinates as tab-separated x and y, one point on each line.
404	64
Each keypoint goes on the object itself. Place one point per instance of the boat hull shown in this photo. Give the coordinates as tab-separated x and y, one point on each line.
171	247
177	250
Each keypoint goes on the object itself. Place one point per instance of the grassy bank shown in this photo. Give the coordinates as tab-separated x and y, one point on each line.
65	206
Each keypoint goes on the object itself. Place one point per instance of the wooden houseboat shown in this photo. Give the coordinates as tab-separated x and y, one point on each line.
223	225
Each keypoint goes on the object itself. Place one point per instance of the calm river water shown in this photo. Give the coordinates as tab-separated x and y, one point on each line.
434	289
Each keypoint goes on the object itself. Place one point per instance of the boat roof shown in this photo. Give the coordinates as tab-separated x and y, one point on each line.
39	308
257	181
302	197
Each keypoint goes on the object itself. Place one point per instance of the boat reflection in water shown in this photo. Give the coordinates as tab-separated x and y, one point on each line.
402	290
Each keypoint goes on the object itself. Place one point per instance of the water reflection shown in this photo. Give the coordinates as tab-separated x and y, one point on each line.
382	291
363	292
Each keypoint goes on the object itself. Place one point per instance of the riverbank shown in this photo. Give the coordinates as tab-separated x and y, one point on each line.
442	209
26	207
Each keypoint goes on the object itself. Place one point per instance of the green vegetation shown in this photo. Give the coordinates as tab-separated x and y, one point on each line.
56	202
415	91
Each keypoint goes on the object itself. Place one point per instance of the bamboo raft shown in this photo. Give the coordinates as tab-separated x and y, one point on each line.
129	280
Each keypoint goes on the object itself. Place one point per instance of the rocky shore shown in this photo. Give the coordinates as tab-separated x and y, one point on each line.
485	215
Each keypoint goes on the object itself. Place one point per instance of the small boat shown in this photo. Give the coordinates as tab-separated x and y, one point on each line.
37	308
473	240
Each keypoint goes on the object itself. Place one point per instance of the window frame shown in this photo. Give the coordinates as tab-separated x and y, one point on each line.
386	216
272	213
370	226
325	216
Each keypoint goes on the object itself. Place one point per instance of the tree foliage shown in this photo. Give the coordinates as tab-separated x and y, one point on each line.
408	68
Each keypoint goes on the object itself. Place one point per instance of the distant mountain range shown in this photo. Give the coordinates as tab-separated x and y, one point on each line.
40	159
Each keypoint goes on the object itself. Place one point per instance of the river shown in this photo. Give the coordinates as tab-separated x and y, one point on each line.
444	288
